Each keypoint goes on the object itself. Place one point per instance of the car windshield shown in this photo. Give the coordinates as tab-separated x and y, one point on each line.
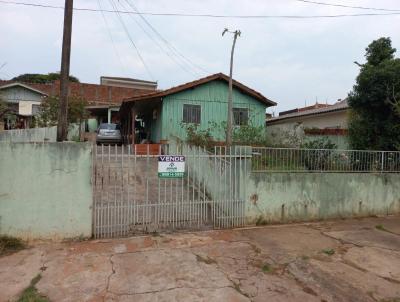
109	126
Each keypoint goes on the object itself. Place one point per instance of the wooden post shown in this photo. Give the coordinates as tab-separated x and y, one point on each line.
62	125
133	118
229	126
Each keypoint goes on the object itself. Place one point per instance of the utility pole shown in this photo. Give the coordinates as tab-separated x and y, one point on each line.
229	126
62	125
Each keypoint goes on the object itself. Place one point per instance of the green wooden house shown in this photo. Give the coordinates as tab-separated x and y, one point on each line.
159	116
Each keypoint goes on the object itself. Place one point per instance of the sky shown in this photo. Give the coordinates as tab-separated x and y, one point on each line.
294	62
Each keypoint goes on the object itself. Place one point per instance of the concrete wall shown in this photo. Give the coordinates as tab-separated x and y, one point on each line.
26	107
45	190
283	197
34	135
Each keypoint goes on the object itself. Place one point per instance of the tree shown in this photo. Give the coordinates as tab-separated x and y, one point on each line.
4	109
49	107
41	78
374	120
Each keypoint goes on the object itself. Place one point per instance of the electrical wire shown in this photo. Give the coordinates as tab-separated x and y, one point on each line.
183	67
131	40
348	6
168	44
123	69
208	15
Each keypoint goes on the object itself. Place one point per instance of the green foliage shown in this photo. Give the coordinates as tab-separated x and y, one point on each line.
198	137
49	111
242	135
320	143
4	108
396	106
10	244
250	135
206	259
328	252
380	227
261	221
319	157
374	102
41	78
267	268
31	294
379	50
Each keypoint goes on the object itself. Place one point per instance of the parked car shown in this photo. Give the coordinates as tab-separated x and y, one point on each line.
108	134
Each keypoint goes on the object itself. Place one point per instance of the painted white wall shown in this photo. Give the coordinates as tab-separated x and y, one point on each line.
291	131
337	119
25	107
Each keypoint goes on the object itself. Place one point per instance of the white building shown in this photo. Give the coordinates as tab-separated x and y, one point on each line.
329	121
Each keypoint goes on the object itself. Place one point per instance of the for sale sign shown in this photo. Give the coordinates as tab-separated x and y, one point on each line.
171	166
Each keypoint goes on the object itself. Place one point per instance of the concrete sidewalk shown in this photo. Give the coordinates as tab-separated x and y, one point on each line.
343	260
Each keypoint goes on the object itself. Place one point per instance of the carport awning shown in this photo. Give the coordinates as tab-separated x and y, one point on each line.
141	107
98	110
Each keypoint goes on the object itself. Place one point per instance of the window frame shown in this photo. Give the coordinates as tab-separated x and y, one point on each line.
183	114
247	117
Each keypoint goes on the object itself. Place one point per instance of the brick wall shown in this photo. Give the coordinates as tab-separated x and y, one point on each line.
95	94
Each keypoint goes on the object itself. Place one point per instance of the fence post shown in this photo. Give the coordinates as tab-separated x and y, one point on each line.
383	161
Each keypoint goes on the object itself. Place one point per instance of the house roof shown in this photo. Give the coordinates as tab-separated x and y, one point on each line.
95	94
14	84
218	76
128	79
339	106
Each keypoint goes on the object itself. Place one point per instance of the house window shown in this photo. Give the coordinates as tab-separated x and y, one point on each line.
240	116
35	109
191	114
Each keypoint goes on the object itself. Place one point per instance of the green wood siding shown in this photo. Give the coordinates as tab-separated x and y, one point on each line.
213	98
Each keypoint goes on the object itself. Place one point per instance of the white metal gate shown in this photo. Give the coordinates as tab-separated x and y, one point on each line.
130	198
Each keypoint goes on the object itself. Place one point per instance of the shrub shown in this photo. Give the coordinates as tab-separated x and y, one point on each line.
319	156
10	244
198	137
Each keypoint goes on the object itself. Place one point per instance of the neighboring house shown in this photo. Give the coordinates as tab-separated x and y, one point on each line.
163	115
103	100
319	120
128	83
24	102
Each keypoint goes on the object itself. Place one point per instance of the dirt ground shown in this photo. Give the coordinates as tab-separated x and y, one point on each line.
343	260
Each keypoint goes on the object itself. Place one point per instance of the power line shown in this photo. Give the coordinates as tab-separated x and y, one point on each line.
209	15
131	40
160	47
170	45
111	37
348	6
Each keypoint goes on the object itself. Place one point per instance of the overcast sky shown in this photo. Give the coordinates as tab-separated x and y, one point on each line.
291	61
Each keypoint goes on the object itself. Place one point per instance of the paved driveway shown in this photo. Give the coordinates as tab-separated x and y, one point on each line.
344	260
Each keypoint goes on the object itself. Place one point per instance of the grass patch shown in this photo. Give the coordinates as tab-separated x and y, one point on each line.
266	268
380	227
31	294
261	221
206	260
9	245
328	252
